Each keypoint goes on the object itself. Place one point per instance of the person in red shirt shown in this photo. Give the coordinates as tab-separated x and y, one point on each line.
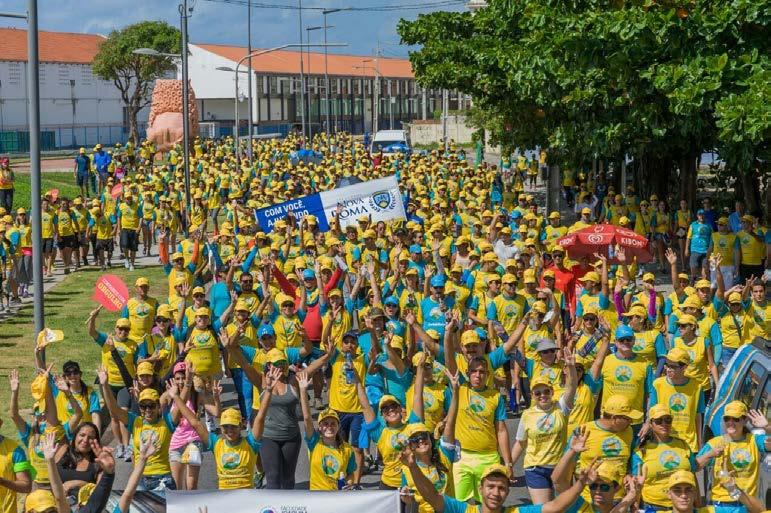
564	278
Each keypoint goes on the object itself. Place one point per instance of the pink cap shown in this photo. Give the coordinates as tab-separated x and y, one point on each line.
179	367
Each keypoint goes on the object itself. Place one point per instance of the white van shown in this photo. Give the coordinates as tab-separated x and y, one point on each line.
389	142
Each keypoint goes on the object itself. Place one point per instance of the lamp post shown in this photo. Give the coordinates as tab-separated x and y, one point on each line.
33	92
326	76
326	70
236	71
375	91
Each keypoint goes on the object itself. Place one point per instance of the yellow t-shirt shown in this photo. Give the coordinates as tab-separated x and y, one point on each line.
205	354
442	481
736	329
660	460
141	314
685	402
753	250
433	403
326	463
342	395
286	331
744	460
158	463
724	244
129	216
698	369
126	350
612	448
478	411
235	463
627	377
545	433
761	317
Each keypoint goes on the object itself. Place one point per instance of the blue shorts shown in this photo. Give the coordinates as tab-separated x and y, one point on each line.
697	259
350	427
539	478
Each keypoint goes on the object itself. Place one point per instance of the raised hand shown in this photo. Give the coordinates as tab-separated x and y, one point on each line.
13	380
149	446
272	377
407	457
101	373
589	474
226	340
671	256
578	442
757	419
172	389
49	445
62	384
103	457
409	317
620	255
453	379
303	380
569	357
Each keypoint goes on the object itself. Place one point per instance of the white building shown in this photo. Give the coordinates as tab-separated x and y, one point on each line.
76	107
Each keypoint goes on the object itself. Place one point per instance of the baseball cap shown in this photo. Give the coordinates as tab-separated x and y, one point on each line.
586	210
388	398
687	319
637	310
438	281
722	220
495	469
624	331
528	276
681	477
545	344
375	312
678	354
241	305
142	281
735	409
609	472
692	301
230	417
591	276
734	297
648	277
415	428
275	355
203	312
148	394
328	414
703	284
541	379
145	369
539	306
417	356
618	404
265	329
659	410
179	367
39	500
123	323
469	337
391	300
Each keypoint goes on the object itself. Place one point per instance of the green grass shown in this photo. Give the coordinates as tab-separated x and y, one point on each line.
62	180
66	307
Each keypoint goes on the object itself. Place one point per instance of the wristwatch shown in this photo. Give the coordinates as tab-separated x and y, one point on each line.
735	493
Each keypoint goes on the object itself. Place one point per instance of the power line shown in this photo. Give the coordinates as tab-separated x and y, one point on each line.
374	8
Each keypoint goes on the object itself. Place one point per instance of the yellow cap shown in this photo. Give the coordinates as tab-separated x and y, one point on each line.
142	282
230	417
618	404
275	355
203	312
735	409
692	301
145	369
549	273
528	276
681	477
637	310
242	305
39	501
687	319
659	410
85	493
417	356
591	310
495	469
586	210
415	428
554	215
489	257
734	297
164	310
703	284
38	387
610	472
683	276
122	323
679	355
328	414
591	276
177	256
722	220
433	334
509	278
648	277
388	398
539	306
541	379
148	394
198	290
469	337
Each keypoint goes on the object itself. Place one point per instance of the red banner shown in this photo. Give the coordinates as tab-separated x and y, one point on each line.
116	191
111	292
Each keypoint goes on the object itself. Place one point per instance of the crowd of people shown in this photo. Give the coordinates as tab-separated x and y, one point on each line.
396	348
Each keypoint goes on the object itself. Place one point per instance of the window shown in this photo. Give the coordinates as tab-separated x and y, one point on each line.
63	74
14	73
86	76
752	383
273	85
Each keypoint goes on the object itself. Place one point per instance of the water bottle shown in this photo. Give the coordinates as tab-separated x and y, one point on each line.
341	481
348	366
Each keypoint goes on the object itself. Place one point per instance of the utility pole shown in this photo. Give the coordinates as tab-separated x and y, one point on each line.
376	113
248	81
184	14
33	81
326	76
302	74
445	108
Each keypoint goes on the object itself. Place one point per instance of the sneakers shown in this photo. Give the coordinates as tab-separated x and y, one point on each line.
131	267
127	455
120	450
126	264
259	479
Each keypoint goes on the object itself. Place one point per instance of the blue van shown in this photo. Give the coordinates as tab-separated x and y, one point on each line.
746	378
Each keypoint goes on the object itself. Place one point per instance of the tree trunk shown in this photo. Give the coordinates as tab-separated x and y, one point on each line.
751	189
133	132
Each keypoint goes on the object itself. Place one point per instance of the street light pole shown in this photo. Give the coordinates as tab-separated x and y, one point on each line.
302	74
248	82
185	107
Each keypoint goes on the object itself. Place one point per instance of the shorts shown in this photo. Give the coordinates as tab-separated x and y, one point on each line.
467	472
82	240
126	401
175	455
697	259
350	426
67	242
81	180
157	482
539	477
48	245
129	241
104	245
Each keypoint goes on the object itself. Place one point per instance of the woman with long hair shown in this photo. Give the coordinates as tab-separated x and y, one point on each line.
332	460
659	454
75	461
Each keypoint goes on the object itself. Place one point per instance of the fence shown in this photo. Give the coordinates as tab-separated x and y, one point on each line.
66	137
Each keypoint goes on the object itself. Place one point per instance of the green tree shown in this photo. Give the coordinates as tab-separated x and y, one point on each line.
660	81
134	75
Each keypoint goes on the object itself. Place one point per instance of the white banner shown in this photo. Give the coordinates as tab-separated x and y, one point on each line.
379	198
281	501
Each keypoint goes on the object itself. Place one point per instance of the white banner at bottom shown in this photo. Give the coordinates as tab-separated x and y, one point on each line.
281	501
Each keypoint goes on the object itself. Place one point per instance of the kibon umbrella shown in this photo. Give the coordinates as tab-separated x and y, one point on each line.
605	239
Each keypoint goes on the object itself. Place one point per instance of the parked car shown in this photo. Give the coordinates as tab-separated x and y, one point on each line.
746	378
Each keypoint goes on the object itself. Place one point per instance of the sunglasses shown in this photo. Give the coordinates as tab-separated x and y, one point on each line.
673	365
73	373
625	339
544	393
603	487
548	351
121	329
161	319
732	419
419	438
147	406
389	407
662	420
590	318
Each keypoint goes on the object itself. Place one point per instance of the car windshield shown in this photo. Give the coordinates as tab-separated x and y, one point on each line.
383	145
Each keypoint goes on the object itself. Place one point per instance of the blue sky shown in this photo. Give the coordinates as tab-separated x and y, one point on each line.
225	23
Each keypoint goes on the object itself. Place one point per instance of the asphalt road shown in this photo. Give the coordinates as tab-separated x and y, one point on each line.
208	479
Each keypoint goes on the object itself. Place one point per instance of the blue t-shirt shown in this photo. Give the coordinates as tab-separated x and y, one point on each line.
701	236
83	163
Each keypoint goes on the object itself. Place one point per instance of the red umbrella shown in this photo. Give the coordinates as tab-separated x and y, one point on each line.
604	239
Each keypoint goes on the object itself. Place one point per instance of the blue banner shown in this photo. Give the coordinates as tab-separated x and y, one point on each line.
300	207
